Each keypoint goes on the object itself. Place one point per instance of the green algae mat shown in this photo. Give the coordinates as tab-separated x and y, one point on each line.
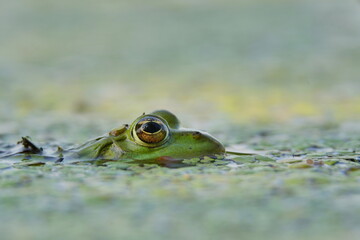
276	78
304	184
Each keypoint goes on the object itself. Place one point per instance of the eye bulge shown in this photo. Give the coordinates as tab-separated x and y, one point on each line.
150	131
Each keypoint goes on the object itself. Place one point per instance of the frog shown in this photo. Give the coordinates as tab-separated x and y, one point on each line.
154	136
157	135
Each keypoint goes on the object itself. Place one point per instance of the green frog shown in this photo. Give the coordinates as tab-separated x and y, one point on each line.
151	136
154	136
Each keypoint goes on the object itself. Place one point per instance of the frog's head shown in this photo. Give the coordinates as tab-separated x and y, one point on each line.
158	134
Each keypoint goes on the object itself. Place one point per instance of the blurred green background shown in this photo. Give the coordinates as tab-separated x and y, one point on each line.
245	61
277	76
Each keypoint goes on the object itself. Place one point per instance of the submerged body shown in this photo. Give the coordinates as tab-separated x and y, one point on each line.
150	137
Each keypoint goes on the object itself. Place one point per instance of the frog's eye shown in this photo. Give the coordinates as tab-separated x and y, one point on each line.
150	132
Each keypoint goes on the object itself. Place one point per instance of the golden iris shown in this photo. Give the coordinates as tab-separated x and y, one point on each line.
150	131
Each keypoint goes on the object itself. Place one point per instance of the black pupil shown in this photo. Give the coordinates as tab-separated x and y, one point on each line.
151	127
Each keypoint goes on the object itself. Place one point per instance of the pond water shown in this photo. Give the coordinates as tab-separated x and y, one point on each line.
275	78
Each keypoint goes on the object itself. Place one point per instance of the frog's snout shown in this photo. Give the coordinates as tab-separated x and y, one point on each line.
208	142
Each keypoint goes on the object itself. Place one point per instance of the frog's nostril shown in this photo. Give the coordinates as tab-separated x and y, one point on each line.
196	135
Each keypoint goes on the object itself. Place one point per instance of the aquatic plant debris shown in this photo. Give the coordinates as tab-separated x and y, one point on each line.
28	146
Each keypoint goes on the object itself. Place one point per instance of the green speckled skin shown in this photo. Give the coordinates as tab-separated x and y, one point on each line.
181	143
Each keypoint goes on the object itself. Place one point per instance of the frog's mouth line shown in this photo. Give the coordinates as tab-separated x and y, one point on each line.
239	153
